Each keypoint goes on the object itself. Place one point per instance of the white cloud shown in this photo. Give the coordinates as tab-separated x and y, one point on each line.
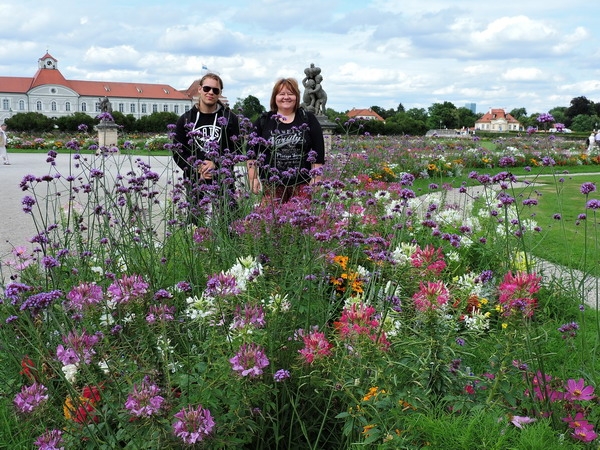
523	74
515	29
414	52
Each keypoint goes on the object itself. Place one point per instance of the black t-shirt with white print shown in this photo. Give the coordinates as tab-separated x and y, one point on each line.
284	159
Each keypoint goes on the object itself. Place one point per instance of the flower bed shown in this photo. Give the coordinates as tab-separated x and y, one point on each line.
352	319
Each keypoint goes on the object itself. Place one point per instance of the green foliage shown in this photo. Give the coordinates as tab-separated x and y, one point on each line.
442	115
71	123
32	122
249	107
156	122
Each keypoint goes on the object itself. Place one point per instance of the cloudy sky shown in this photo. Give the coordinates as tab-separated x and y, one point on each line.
511	54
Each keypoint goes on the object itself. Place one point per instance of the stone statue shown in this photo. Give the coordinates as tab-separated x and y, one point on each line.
105	105
315	97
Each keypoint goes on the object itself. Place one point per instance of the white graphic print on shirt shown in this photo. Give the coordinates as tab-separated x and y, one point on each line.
287	154
205	134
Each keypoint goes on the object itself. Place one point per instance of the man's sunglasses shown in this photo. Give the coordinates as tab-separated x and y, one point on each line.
215	90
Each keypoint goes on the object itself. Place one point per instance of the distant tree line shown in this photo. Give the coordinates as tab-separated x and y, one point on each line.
35	122
582	115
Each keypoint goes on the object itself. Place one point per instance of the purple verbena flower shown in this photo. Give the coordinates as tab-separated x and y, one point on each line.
587	188
281	375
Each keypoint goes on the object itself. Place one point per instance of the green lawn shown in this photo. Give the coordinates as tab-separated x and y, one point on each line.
565	239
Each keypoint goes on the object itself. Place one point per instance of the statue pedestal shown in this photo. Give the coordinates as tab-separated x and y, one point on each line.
328	126
107	137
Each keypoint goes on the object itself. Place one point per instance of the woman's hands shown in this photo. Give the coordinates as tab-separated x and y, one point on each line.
253	180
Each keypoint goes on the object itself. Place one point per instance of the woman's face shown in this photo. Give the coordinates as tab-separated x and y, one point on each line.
285	99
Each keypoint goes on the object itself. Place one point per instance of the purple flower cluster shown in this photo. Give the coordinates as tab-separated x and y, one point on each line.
545	118
569	330
84	295
50	440
222	285
38	302
193	424
281	375
587	188
30	398
252	316
77	348
160	313
249	361
144	400
128	289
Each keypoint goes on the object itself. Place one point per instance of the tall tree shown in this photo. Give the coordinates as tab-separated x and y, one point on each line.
579	105
518	113
443	115
384	113
419	114
558	112
249	107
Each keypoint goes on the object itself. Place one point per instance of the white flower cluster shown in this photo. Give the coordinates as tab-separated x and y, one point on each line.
478	321
403	252
277	303
466	283
199	308
245	270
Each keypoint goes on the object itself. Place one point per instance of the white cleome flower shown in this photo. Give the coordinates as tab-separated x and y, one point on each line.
70	371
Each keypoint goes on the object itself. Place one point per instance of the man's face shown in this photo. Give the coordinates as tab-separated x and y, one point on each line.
209	98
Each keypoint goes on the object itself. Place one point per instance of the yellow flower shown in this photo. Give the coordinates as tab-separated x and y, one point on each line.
504	325
68	408
341	261
368	428
372	393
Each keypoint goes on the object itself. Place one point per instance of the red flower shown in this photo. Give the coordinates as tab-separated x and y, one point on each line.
28	369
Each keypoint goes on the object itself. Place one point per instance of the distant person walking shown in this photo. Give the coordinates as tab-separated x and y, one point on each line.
3	143
597	139
591	141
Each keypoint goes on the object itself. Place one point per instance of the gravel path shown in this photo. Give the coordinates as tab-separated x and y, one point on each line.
16	227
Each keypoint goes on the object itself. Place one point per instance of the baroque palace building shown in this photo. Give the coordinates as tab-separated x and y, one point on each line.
49	93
